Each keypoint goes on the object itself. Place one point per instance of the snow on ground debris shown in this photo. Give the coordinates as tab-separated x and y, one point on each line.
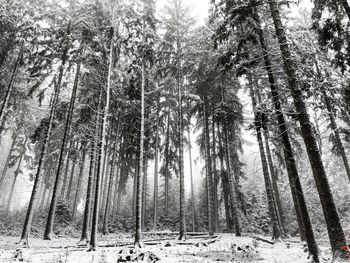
114	249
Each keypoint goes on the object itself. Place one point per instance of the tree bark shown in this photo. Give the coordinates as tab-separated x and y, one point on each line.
38	176
303	218
268	187
191	175
166	165
102	143
155	184
109	192
51	215
231	182
215	177
69	189
335	230
208	169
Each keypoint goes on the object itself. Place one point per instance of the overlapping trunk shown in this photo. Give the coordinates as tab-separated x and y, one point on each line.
334	228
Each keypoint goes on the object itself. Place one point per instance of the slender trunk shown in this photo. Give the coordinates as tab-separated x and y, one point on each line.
38	175
104	179
191	175
208	169
182	234
166	165
16	173
225	185
117	191
155	185
102	143
274	183
144	191
109	192
51	215
335	230
140	175
215	178
80	178
10	87
6	165
90	185
268	187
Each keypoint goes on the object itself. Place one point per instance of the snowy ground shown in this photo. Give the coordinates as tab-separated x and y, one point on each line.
117	248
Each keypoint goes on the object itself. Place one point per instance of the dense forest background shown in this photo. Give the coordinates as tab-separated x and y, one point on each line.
118	116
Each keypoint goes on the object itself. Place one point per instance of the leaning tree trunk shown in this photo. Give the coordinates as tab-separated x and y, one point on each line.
334	228
93	239
303	218
334	126
10	88
268	186
16	173
38	176
277	197
51	215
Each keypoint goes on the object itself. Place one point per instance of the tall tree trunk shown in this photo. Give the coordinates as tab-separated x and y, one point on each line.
268	186
208	169
225	185
51	215
102	143
335	230
109	192
89	191
191	175
274	179
16	173
215	177
38	176
155	185
140	175
166	165
80	178
231	181
144	191
303	218
182	234
106	166
10	87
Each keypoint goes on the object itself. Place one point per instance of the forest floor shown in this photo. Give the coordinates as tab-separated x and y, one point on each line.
158	248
